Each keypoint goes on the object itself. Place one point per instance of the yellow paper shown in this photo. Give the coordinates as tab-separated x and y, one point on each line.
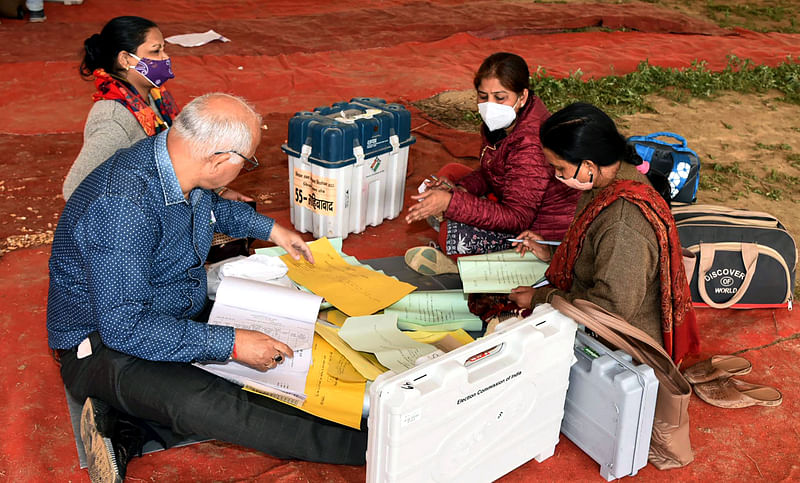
432	337
335	317
363	365
328	396
354	290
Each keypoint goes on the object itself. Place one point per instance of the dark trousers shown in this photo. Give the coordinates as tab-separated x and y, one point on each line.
191	401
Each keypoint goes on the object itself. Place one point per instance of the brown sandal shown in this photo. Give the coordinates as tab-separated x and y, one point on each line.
718	367
733	393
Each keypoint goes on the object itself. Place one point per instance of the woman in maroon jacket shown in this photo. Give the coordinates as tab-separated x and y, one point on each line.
514	189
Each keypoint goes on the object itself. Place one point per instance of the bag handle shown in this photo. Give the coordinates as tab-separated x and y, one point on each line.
689	264
665	134
749	253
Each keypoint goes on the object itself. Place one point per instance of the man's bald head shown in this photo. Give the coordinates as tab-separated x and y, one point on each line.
218	122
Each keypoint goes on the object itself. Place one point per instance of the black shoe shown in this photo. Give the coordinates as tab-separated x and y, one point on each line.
37	16
109	442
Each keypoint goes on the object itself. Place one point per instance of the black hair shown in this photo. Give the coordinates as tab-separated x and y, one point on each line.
582	131
510	69
120	33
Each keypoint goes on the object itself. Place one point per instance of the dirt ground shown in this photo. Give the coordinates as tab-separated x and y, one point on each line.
758	15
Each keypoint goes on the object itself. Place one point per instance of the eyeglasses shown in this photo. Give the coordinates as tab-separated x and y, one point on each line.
247	167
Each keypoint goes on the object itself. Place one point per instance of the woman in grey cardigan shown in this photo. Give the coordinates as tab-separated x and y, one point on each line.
129	66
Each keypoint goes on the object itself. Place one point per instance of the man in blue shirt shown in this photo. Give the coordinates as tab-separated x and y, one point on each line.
128	289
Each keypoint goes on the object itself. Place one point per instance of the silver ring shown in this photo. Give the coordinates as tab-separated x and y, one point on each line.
277	357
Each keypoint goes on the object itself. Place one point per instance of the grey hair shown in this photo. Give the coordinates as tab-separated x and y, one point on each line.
208	132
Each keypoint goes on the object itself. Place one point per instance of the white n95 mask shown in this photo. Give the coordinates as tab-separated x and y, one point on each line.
497	116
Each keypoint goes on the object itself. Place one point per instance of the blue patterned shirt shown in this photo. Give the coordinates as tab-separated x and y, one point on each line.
128	255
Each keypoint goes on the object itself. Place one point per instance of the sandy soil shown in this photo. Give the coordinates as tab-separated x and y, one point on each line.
758	15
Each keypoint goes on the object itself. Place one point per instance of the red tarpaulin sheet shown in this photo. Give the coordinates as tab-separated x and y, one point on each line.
287	56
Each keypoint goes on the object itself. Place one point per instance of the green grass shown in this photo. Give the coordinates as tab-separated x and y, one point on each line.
716	177
773	147
626	94
794	160
742	14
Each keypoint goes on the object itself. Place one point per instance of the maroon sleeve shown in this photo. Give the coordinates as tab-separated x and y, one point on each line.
522	187
475	183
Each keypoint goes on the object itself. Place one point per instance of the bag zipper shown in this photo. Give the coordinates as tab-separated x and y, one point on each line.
719	219
714	210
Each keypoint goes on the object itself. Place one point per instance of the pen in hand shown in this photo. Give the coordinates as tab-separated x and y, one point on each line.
436	178
542	242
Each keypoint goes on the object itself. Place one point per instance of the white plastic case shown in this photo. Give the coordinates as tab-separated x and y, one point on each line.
475	413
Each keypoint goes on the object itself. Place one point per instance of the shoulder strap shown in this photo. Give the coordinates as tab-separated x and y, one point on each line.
630	339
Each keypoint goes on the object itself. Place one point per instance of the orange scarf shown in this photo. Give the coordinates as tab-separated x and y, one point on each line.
113	89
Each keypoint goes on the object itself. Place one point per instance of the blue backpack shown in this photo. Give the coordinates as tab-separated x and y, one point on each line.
675	161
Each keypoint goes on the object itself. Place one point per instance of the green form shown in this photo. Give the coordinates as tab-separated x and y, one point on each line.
435	311
379	334
500	272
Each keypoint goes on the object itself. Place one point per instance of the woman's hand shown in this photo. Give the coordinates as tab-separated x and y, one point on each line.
522	296
290	241
260	351
430	203
439	182
528	244
233	195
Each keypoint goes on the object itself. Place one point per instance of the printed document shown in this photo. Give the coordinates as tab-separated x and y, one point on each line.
353	290
379	334
331	391
365	367
286	314
500	272
435	311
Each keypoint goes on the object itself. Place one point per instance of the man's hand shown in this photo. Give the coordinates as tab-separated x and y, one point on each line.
290	241
522	296
432	202
259	350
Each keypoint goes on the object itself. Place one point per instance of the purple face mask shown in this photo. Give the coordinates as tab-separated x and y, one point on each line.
156	71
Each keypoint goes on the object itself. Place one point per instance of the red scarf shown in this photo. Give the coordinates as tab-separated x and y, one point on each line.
678	321
113	89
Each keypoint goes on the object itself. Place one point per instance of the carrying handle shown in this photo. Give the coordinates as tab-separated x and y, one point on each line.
668	135
483	355
689	263
749	257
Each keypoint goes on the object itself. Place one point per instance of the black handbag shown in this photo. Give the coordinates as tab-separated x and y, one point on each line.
739	259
